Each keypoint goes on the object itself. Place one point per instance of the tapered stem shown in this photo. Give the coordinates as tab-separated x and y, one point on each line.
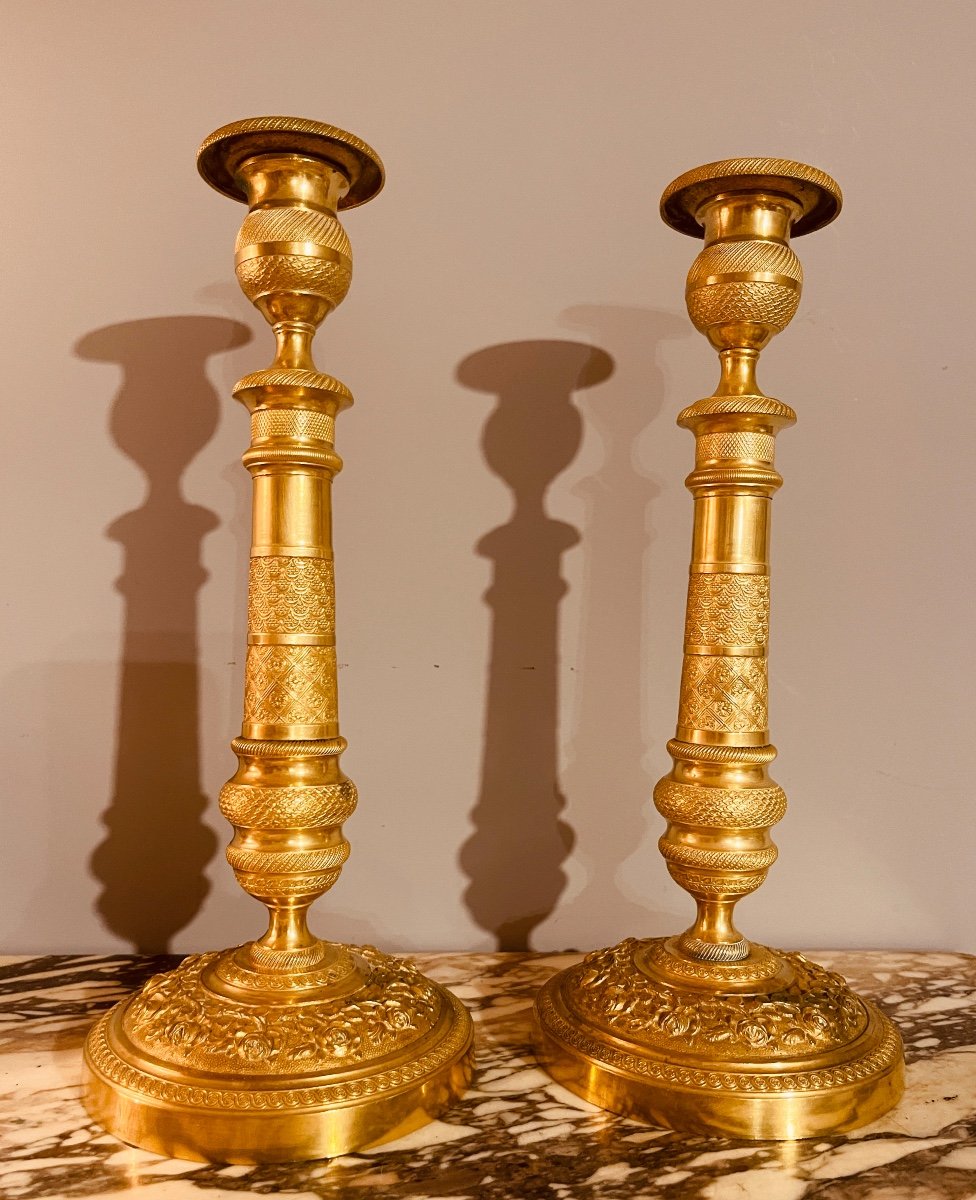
289	797
719	800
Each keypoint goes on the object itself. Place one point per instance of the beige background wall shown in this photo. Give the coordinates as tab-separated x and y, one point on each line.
505	751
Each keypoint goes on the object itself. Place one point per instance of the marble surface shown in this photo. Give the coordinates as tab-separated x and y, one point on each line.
515	1134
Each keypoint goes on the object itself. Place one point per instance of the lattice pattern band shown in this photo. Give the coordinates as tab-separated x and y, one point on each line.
724	303
308	807
718	446
294	423
290	685
726	695
719	808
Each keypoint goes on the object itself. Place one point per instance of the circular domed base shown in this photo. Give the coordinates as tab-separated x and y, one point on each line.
792	1054
226	148
818	195
197	1065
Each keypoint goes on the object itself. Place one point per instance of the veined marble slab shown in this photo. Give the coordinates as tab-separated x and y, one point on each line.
516	1134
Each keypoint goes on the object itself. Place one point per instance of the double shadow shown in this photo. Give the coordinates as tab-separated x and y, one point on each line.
514	859
151	864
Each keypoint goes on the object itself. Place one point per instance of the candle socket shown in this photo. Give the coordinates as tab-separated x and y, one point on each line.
288	1047
706	1031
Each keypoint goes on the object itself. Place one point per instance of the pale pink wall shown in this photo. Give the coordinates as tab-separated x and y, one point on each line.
526	145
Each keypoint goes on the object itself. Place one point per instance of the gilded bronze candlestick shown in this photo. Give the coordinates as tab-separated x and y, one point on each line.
707	1031
287	1047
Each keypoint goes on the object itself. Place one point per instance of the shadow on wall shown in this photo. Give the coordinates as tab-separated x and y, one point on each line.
152	861
514	858
608	788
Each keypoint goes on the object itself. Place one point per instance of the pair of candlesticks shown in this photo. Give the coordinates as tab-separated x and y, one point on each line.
290	1047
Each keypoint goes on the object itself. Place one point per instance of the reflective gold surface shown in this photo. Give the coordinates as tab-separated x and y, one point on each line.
706	1031
287	1047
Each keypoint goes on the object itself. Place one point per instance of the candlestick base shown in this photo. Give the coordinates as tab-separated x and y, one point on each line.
217	1062
773	1047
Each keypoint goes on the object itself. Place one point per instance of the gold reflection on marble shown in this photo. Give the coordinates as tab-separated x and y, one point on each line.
287	1047
707	1031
